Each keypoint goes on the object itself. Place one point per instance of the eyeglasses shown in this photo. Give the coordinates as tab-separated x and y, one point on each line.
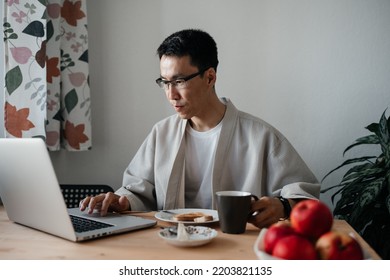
179	83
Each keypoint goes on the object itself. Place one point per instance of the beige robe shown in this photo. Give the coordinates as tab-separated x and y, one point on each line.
268	165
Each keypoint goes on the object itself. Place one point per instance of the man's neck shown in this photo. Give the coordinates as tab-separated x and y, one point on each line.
214	116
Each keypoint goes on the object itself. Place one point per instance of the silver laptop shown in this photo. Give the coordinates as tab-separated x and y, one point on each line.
32	196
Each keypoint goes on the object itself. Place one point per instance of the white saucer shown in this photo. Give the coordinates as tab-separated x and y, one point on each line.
198	236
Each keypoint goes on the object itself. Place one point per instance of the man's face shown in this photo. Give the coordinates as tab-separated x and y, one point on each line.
192	100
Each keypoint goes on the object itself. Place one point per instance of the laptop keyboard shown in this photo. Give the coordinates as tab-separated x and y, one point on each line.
82	225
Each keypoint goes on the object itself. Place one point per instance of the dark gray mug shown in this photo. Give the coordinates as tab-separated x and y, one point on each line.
233	210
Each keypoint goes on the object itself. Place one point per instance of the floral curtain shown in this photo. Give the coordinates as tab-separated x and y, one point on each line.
47	90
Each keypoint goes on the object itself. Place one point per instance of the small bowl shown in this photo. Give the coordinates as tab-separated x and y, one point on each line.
198	236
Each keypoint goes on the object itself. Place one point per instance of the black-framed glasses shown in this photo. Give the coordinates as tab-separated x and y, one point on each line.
179	83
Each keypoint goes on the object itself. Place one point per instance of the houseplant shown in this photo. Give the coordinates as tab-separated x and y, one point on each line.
364	200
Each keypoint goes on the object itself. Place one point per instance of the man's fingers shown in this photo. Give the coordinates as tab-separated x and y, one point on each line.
116	203
84	203
104	202
110	202
124	203
91	204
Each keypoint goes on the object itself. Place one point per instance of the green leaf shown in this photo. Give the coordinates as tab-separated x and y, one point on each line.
43	2
384	130
330	188
388	122
71	100
374	128
385	136
357	197
349	192
13	79
370	193
364	174
13	36
84	56
35	28
58	116
388	203
370	139
347	162
44	15
364	219
357	168
337	192
49	30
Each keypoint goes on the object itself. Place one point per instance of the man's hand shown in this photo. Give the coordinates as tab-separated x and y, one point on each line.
266	211
105	202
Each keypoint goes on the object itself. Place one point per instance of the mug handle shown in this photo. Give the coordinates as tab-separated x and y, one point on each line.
253	198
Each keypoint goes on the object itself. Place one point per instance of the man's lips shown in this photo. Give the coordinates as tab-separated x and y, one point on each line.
177	106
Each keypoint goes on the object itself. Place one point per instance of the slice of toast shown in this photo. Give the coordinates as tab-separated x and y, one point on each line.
198	217
203	219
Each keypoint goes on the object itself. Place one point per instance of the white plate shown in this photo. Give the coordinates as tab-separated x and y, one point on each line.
198	236
168	217
258	247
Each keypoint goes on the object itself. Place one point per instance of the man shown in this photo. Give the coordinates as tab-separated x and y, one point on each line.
207	146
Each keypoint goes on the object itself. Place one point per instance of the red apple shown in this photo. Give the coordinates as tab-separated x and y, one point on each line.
311	218
338	246
274	233
295	247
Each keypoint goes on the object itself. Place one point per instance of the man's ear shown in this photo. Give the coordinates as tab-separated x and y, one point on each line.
211	76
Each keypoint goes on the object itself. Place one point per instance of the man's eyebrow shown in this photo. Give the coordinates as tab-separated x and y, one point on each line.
175	77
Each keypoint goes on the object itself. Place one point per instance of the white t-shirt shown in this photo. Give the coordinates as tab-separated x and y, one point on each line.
199	160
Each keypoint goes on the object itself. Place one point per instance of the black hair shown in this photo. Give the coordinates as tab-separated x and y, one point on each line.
197	44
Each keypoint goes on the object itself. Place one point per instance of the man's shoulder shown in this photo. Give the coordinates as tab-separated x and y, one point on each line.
242	115
245	117
170	122
167	120
252	122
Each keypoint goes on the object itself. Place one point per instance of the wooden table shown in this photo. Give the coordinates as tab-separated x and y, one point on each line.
19	242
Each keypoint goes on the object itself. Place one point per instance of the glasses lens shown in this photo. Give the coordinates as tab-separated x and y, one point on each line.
161	83
180	84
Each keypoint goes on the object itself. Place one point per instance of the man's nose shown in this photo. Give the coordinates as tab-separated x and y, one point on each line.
172	93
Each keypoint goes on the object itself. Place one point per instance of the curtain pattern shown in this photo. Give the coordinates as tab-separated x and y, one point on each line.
47	90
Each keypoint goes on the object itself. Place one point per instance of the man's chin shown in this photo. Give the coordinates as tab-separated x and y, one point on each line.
184	116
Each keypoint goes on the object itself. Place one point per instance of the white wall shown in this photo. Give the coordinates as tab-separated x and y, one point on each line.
317	70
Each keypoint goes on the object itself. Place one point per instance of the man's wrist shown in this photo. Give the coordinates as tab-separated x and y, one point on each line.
286	206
